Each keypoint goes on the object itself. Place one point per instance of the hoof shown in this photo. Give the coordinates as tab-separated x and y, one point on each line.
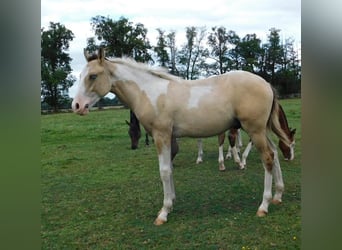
222	168
199	161
261	213
276	202
159	222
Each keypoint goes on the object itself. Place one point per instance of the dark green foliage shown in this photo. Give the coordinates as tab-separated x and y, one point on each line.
55	65
160	49
122	38
192	54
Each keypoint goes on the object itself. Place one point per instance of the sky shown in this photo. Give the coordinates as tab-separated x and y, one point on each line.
242	16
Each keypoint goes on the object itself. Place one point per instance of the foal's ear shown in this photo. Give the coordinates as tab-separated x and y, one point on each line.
101	54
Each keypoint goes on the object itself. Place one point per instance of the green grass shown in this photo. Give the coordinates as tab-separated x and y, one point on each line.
97	193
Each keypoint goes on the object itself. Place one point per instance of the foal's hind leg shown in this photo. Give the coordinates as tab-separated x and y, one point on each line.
267	156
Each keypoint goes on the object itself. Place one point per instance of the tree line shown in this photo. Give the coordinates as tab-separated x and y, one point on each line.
205	52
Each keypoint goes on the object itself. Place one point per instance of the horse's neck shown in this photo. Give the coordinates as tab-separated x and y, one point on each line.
137	85
140	76
134	120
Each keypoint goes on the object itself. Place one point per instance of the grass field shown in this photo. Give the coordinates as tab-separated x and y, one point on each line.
97	193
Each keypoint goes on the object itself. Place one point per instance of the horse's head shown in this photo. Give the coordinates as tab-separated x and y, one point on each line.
94	83
288	151
134	130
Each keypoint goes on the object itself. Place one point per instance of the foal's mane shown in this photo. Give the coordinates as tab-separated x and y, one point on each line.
159	72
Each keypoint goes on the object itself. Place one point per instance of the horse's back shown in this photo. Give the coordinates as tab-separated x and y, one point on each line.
213	105
250	94
246	93
237	83
244	80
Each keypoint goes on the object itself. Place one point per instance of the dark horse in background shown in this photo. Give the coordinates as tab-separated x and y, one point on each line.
134	132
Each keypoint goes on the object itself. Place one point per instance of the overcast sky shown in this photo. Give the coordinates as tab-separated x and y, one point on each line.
242	16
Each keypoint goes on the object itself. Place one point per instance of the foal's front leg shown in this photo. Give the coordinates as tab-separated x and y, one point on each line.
165	169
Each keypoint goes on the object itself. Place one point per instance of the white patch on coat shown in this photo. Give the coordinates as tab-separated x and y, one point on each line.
196	93
153	87
154	91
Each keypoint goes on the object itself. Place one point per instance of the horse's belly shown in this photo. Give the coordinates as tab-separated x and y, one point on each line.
204	127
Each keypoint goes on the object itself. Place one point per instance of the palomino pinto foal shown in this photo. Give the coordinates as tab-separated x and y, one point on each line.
169	107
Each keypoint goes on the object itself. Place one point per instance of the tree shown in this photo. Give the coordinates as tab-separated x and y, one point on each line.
234	62
160	49
55	65
277	63
288	76
249	51
219	44
92	47
122	38
193	54
274	54
171	44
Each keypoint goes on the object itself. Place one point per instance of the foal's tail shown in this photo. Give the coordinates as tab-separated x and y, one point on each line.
273	121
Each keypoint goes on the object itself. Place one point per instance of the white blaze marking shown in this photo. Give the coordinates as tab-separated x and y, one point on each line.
196	93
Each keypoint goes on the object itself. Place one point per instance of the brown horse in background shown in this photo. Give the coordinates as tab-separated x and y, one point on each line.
235	145
134	131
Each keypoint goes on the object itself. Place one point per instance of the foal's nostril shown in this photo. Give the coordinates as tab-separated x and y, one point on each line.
77	106
86	106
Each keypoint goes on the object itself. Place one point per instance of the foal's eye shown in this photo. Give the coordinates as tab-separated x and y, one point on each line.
92	76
